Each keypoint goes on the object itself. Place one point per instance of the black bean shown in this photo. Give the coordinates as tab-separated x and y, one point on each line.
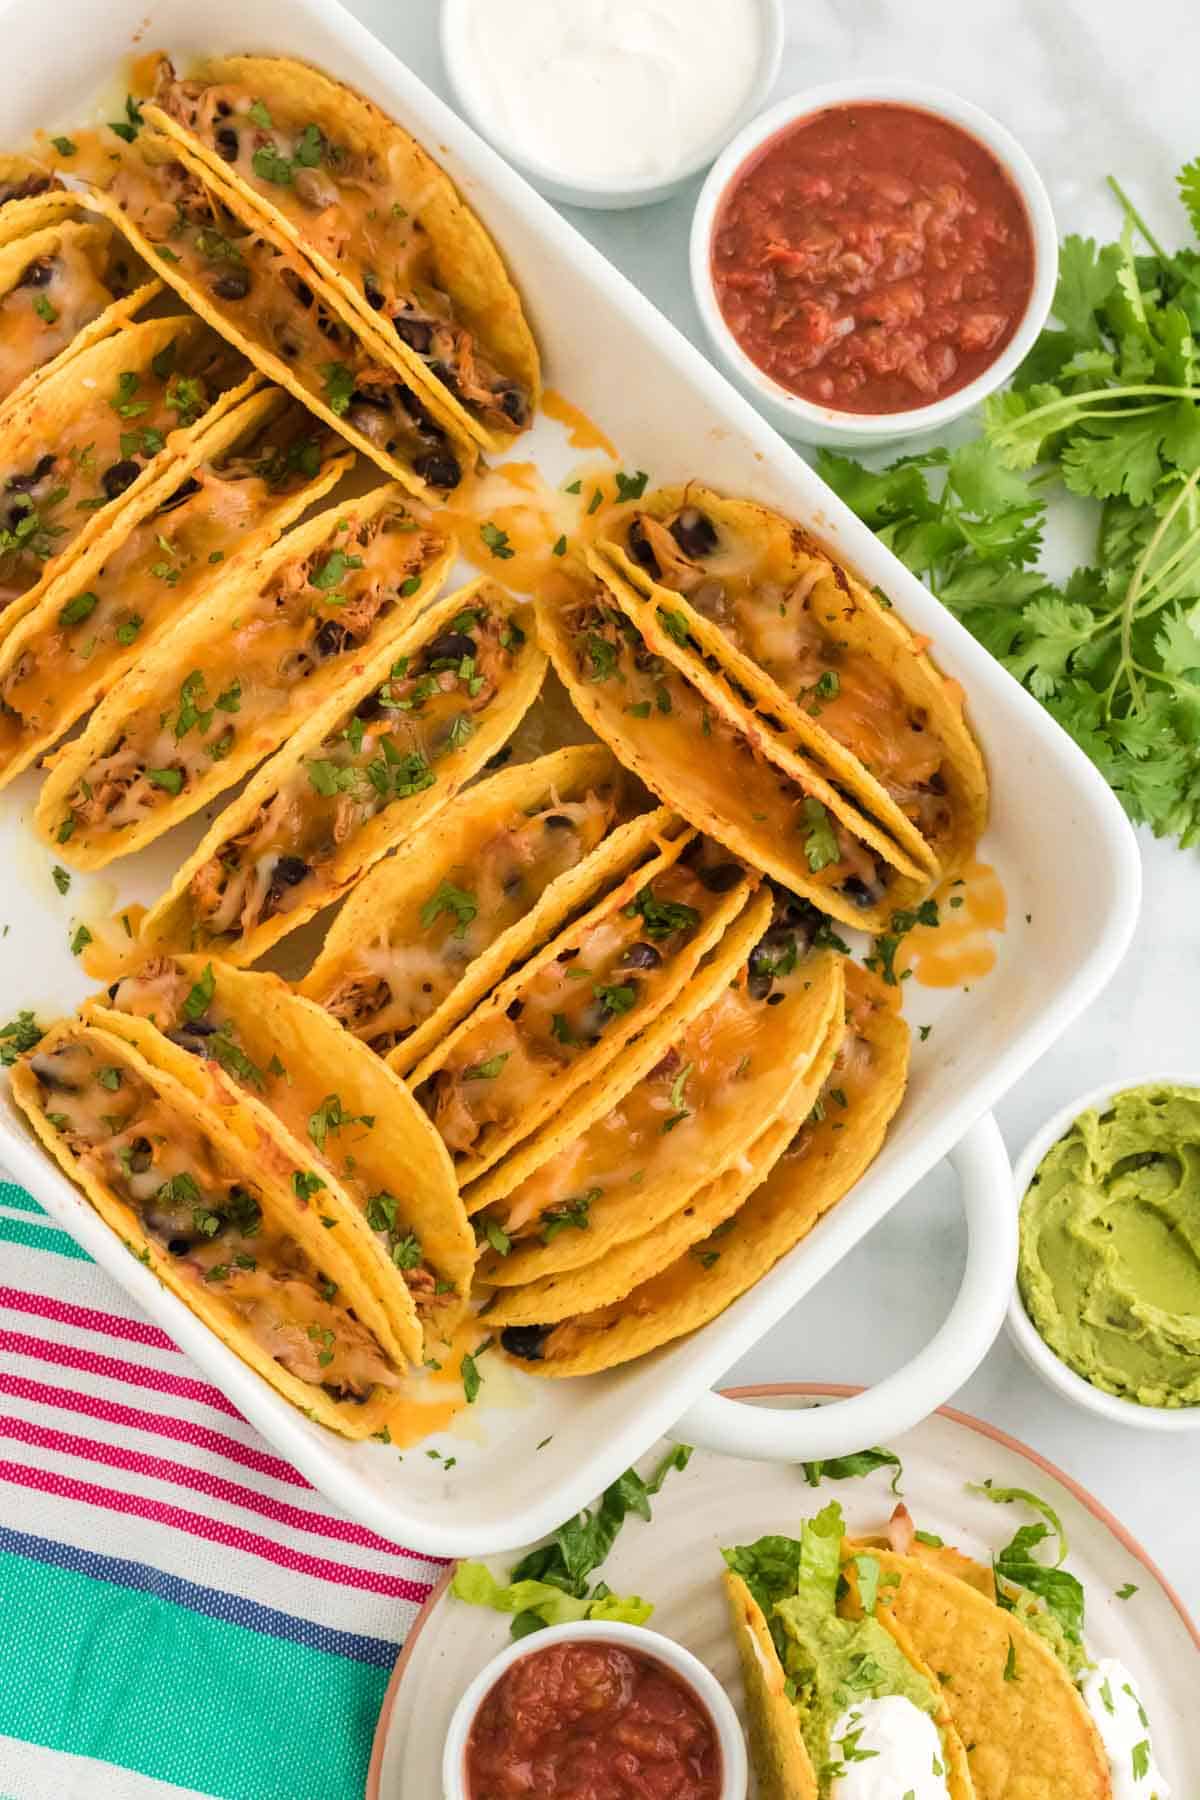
333	639
451	646
183	492
141	1156
514	1009
186	1043
38	274
372	292
501	757
120	475
857	890
639	549
49	1077
777	1000
179	1246
416	333
369	707
694	532
439	468
721	878
514	405
227	143
200	1028
21	484
114	990
234	284
525	1341
290	870
642	956
758	984
557	822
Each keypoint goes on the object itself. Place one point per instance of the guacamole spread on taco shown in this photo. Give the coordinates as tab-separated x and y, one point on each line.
1110	1246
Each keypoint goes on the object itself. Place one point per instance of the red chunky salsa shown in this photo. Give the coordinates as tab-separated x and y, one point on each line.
592	1721
873	258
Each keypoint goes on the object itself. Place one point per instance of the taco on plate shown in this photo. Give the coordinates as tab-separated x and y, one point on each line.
432	929
230	490
551	1028
233	1231
265	298
745	1042
806	646
406	1225
801	1168
91	437
328	172
826	1692
726	776
370	767
234	678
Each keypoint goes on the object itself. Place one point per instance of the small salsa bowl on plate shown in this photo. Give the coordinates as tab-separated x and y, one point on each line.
1024	1333
1002	218
683	1669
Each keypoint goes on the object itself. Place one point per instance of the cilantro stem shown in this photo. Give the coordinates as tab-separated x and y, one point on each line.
1133	594
1081	403
1131	212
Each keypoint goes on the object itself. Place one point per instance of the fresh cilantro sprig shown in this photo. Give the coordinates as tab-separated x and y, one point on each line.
1107	407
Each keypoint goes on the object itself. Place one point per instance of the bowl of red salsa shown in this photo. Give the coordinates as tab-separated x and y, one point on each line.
872	261
595	1711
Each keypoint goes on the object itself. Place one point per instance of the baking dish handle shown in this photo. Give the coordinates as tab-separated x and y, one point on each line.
737	1428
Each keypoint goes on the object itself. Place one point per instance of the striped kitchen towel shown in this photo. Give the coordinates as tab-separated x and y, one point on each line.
180	1613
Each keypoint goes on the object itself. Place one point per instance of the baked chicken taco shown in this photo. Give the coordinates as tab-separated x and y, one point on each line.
217	1221
725	776
263	296
750	1038
91	437
807	646
800	1168
432	929
65	282
328	172
256	656
825	1691
368	768
233	487
550	1029
355	1120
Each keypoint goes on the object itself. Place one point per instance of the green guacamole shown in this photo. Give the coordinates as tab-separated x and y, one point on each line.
1110	1246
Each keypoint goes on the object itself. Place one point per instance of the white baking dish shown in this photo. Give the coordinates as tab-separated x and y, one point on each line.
1063	848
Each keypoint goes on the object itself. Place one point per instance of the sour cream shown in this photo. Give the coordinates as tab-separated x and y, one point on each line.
1111	1696
888	1747
608	91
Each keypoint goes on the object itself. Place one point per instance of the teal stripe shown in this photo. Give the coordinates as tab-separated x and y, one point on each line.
15	1197
239	1716
40	1237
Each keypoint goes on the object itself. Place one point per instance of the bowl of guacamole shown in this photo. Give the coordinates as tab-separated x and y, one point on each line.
1107	1303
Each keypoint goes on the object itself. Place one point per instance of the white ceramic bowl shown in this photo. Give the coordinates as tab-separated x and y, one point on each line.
1024	1333
681	1662
805	419
604	196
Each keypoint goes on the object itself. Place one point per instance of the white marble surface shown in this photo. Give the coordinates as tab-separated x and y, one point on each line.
1088	91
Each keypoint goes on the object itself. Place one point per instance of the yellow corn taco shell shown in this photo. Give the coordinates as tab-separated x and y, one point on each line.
264	297
233	487
57	284
344	1110
893	732
240	673
723	1076
672	1223
549	1030
817	1166
698	658
275	1287
37	212
657	722
375	215
431	929
779	1754
336	798
1029	1735
87	444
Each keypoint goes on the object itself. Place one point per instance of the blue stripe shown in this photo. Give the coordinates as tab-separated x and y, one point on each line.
229	1609
15	1197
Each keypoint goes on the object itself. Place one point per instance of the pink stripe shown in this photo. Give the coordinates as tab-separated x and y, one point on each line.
137	1331
216	1531
200	1481
88	1362
184	1431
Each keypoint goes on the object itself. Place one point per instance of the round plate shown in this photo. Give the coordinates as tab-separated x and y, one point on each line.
675	1562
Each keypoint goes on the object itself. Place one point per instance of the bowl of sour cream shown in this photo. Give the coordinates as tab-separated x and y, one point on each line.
611	103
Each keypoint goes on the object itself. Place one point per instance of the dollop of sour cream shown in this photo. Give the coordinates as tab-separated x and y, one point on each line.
1111	1696
611	90
886	1748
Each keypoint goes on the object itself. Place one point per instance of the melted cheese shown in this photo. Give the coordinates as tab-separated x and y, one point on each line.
54	297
